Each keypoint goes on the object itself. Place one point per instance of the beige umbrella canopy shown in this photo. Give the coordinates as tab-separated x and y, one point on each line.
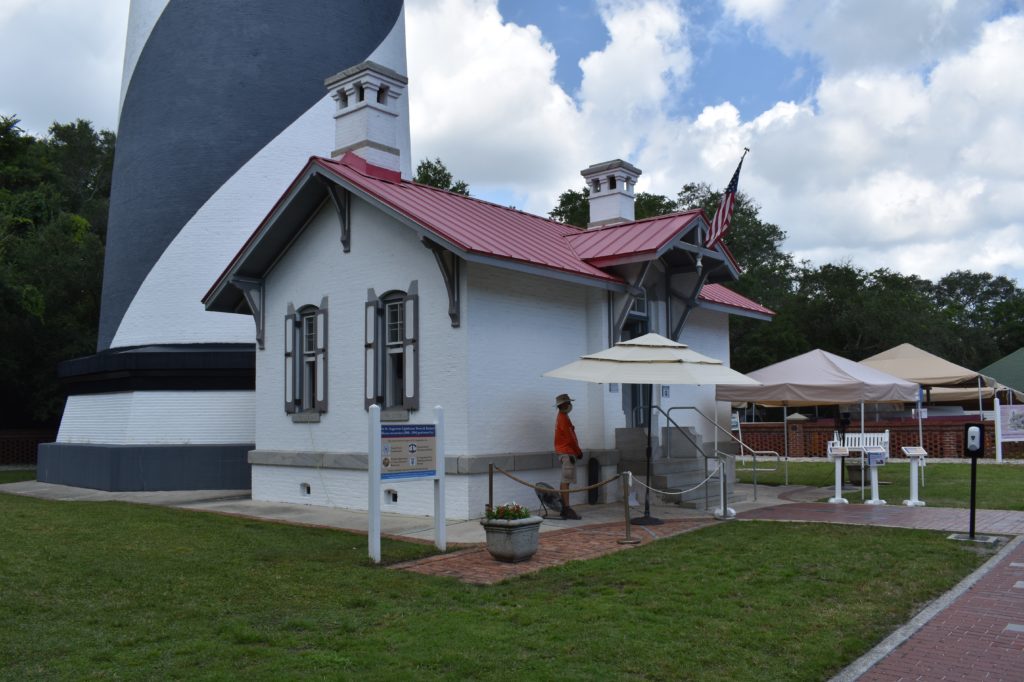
650	359
909	362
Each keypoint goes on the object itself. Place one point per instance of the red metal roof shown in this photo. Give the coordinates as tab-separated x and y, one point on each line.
480	227
716	293
640	238
470	224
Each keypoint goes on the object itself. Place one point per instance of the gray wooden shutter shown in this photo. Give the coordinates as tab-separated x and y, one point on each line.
410	348
290	387
320	399
371	381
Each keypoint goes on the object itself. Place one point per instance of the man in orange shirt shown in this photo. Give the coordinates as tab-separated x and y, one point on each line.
568	450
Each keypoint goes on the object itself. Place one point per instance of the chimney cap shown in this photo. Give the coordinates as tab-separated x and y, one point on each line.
610	165
360	68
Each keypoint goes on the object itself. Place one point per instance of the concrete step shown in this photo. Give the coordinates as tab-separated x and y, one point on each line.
665	467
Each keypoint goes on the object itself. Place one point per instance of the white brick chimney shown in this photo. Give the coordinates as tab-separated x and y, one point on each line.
611	187
368	116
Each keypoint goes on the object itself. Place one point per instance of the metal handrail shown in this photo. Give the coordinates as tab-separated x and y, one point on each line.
719	456
743	447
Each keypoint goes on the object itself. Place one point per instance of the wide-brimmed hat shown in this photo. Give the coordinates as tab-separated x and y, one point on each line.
562	398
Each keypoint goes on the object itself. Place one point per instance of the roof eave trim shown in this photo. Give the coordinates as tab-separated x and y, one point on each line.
733	310
224	281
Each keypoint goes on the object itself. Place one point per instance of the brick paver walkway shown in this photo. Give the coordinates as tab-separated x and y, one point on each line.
475	565
980	636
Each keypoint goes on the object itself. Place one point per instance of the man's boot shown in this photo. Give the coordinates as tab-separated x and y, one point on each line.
569	514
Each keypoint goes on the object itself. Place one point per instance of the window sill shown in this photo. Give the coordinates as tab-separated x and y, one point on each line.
308	417
394	414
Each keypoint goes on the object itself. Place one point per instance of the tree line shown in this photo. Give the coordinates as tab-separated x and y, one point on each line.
54	199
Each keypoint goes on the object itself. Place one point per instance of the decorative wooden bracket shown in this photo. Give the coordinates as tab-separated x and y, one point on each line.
632	292
448	262
689	302
340	199
254	293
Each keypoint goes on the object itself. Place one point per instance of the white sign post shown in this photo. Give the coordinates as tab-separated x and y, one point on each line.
876	457
405	452
838	454
916	456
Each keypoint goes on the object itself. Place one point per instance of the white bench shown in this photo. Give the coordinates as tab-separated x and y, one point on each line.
856	441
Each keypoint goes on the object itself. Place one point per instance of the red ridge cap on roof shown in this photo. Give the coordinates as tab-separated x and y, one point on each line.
361	165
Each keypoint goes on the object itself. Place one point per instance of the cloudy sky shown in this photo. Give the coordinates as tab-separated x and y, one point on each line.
889	133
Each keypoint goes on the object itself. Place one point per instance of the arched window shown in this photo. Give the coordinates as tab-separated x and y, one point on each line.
392	350
305	359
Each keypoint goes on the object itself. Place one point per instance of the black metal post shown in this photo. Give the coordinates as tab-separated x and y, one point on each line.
647	519
974	480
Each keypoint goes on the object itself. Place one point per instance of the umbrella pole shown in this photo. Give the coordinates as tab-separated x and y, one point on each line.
647	519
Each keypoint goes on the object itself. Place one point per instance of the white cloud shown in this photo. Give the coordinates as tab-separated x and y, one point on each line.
61	60
852	35
483	98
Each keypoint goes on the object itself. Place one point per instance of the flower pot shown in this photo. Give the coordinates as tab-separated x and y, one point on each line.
512	541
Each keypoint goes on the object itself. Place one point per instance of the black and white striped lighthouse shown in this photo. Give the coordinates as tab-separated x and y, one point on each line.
221	102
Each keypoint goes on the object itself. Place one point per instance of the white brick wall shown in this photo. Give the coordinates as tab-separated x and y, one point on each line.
487	374
385	256
159	418
465	495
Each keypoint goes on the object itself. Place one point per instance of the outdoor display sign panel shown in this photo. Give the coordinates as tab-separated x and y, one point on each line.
1011	419
876	455
408	451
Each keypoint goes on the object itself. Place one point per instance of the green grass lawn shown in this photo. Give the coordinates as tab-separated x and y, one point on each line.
999	486
112	590
15	475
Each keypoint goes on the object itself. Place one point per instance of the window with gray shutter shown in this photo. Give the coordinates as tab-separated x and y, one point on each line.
392	350
305	359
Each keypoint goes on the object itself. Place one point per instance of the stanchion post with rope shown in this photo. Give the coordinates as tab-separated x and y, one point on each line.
626	480
570	490
490	486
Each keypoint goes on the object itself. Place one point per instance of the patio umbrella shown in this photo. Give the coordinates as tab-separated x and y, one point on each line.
650	359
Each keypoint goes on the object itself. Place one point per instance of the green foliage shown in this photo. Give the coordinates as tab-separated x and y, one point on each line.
98	590
508	512
54	197
436	174
574	207
646	205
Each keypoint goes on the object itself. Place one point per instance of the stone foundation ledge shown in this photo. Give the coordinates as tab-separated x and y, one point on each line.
454	464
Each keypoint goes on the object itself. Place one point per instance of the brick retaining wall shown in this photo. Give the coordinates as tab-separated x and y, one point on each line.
19	447
943	437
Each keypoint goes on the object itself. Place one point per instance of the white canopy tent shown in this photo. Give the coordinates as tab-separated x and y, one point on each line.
820	378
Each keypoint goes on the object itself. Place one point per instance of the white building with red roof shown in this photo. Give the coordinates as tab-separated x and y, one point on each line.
366	287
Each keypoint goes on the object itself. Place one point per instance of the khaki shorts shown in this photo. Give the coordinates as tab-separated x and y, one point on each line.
568	468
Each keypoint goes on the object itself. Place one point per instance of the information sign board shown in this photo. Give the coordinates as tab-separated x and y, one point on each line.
407	451
876	455
913	451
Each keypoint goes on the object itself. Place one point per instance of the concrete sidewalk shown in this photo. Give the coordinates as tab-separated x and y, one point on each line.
239	503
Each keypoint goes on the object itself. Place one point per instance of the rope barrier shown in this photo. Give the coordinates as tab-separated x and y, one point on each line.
679	492
548	489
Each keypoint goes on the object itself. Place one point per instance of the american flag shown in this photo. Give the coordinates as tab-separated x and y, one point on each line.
723	216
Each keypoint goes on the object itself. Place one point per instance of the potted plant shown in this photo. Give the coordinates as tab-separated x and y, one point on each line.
512	532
